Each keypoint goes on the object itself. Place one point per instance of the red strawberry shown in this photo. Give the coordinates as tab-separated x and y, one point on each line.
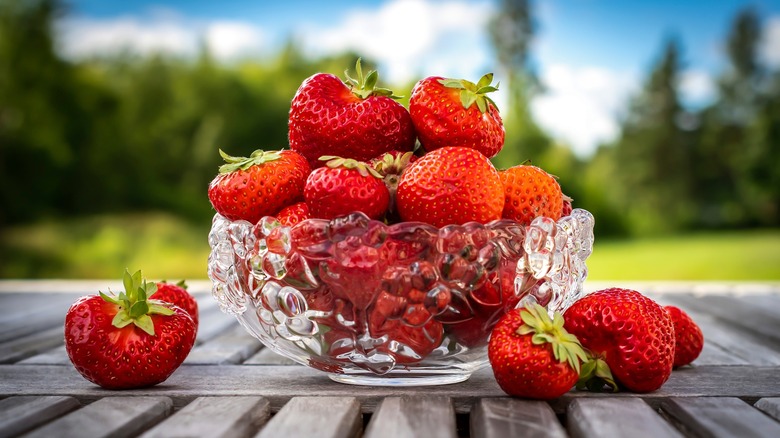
451	185
628	334
261	185
345	186
127	341
451	112
530	192
411	332
533	356
292	214
177	294
688	338
567	206
353	120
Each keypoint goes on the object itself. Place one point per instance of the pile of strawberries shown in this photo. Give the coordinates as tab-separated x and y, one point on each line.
353	148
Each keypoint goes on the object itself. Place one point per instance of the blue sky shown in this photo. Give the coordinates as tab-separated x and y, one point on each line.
591	54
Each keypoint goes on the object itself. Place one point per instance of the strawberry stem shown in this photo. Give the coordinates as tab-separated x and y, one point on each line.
566	347
471	93
233	164
134	307
365	86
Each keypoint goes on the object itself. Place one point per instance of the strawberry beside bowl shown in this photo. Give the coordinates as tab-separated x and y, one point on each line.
403	304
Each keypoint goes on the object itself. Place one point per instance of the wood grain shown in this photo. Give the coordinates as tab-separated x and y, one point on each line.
325	417
720	417
215	417
506	417
22	413
425	416
115	417
616	418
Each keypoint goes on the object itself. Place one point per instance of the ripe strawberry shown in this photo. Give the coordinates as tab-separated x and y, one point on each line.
452	112
127	341
451	185
261	185
567	206
345	186
292	214
177	294
626	333
688	338
533	356
530	192
353	120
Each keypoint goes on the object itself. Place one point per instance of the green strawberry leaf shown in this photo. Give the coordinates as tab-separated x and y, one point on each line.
121	319
145	323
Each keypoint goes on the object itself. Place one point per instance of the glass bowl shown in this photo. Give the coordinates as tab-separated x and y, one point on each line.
403	304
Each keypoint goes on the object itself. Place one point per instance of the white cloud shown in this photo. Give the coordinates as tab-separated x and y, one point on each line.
581	104
697	87
411	38
161	31
770	48
232	39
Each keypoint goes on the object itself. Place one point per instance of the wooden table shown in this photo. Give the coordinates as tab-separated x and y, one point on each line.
231	386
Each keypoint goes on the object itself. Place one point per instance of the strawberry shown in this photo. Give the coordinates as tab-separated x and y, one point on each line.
261	185
452	112
345	186
532	355
688	338
127	341
391	165
530	192
629	336
352	120
451	185
411	332
177	294
567	206
292	214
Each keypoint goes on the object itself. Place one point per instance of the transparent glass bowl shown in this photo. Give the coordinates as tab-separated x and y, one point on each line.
403	304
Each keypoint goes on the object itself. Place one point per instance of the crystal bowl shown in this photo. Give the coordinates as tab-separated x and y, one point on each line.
403	304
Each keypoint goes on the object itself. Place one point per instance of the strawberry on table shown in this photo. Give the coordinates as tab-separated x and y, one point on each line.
352	120
530	192
533	356
456	112
345	186
178	295
688	338
629	336
260	185
127	341
451	185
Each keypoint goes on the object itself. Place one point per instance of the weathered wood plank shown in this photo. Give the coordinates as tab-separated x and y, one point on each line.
725	345
326	417
212	323
109	417
611	417
20	414
507	417
280	383
266	356
719	417
23	314
32	344
55	356
770	406
215	417
426	416
231	347
734	312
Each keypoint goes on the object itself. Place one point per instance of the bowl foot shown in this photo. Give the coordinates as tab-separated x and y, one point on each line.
391	379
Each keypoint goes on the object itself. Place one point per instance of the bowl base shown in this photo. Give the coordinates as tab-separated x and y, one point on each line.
400	380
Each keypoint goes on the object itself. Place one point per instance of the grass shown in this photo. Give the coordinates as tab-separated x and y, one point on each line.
166	247
732	255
